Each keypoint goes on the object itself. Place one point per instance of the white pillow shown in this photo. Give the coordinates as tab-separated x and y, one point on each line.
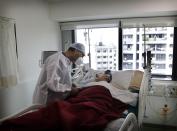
136	80
122	79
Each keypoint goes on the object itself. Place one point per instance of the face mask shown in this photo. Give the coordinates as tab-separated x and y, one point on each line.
79	61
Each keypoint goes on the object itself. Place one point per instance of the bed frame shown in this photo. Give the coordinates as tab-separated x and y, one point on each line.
130	123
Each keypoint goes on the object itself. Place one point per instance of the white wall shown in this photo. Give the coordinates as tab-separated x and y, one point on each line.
96	9
13	100
35	32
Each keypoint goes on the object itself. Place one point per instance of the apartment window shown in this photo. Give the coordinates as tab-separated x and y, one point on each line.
151	47
137	56
160	57
137	65
128	65
104	50
98	51
137	47
137	38
161	47
128	56
127	47
159	66
171	45
170	56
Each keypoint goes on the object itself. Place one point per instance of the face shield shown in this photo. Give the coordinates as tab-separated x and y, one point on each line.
79	61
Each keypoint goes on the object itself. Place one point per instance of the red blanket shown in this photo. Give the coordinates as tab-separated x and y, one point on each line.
90	110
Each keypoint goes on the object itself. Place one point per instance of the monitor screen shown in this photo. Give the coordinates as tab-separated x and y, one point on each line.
46	54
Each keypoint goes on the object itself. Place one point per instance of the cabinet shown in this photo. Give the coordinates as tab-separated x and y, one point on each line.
161	105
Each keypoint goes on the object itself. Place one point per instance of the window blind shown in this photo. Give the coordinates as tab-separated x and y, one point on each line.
166	21
149	22
89	24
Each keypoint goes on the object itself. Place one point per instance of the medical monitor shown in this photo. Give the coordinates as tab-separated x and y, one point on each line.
45	55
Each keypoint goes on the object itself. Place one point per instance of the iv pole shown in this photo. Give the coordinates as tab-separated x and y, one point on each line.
147	60
89	49
144	53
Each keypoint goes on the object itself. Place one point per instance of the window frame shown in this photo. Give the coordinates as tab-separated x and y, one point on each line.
126	22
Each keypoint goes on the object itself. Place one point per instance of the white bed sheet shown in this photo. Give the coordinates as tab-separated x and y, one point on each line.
123	95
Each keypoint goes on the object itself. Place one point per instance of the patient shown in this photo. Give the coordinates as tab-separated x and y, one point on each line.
105	76
104	79
91	75
91	109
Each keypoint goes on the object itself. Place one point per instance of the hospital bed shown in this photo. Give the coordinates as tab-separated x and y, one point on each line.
125	80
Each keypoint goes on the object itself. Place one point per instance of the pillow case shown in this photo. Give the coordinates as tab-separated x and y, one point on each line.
127	79
136	79
121	79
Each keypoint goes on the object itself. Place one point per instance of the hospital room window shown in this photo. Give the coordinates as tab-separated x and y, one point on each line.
159	40
124	41
99	42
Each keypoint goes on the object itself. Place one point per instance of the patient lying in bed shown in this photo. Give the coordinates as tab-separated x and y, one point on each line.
104	79
91	109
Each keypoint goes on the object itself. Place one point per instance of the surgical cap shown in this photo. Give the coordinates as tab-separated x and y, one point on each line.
78	46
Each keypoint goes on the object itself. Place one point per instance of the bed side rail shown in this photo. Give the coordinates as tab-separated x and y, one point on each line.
130	123
26	110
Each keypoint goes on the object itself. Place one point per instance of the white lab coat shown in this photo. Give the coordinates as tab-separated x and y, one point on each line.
54	81
90	76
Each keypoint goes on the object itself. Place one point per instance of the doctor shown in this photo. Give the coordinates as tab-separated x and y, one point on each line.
55	82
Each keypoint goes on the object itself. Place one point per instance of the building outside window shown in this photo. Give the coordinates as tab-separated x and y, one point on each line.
103	44
158	39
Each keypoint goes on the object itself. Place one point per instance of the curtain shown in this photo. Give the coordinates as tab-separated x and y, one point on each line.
8	56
